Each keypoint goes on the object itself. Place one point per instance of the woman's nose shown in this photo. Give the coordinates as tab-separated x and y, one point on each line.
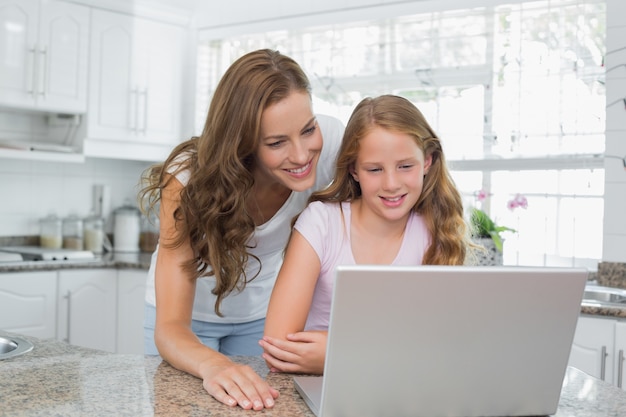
299	153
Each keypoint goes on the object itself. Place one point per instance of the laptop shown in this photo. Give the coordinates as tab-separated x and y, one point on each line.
446	341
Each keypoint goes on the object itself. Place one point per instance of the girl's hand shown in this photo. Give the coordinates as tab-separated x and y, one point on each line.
302	352
235	384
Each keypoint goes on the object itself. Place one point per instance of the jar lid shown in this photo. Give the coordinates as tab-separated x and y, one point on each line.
127	208
50	218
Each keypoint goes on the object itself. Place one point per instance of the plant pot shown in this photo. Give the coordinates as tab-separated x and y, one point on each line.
491	256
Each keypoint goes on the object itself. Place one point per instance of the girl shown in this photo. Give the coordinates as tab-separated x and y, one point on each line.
392	202
226	199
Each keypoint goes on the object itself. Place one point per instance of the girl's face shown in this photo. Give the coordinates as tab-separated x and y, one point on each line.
291	143
390	169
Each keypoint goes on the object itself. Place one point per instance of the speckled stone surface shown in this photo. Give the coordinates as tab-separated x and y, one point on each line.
59	379
612	274
109	260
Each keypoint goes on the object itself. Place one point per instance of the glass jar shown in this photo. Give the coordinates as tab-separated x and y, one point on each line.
73	232
50	233
126	228
149	236
93	227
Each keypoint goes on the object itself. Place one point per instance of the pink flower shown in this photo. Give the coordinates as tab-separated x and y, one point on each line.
481	195
517	201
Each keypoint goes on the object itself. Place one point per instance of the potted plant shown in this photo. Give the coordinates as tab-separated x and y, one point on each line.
484	227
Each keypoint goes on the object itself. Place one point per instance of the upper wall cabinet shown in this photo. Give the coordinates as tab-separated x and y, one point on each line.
135	87
43	55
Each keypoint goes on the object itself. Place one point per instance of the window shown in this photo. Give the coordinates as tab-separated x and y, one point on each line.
516	92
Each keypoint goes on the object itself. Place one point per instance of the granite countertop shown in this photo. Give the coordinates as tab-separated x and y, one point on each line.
138	260
59	379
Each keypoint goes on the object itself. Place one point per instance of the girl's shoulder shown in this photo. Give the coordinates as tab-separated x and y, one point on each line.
323	207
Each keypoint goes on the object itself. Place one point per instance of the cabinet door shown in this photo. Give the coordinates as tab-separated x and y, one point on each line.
87	313
111	67
620	352
592	350
131	291
18	39
158	79
61	83
28	303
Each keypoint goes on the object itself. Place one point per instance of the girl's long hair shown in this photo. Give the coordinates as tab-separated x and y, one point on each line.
440	202
212	214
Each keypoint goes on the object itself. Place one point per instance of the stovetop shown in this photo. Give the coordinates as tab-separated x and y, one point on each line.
35	253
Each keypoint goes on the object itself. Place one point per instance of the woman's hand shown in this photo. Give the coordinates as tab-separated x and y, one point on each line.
302	352
235	384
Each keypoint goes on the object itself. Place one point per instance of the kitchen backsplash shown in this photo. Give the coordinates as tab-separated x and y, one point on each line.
30	190
612	274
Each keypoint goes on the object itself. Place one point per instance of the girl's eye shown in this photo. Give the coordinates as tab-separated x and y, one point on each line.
406	166
374	170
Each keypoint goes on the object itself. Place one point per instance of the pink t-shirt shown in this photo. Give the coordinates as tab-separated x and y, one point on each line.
322	226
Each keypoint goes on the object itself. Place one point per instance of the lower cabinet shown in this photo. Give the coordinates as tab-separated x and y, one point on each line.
599	348
96	308
131	290
87	308
28	303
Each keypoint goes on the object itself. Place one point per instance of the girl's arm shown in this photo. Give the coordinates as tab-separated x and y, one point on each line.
287	348
230	383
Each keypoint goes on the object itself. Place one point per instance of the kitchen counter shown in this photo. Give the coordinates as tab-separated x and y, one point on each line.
109	260
142	261
60	379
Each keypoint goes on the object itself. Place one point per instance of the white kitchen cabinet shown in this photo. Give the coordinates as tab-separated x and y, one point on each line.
28	303
592	350
599	348
87	308
131	290
44	55
620	354
135	87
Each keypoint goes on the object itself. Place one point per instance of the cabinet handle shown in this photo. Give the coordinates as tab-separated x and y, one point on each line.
33	74
145	110
134	109
44	67
68	297
620	368
603	363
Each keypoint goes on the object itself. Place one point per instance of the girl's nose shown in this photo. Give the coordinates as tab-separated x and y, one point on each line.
390	180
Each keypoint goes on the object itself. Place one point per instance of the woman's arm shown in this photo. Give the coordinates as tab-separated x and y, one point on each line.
286	347
230	383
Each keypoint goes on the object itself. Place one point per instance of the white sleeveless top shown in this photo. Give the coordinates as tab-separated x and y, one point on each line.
269	241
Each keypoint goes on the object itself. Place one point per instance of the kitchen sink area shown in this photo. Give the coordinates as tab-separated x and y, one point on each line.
11	346
600	295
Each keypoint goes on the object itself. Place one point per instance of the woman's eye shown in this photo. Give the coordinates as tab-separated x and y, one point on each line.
310	130
275	144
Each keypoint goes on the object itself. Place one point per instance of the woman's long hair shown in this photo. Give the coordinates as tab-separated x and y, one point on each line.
440	202
212	214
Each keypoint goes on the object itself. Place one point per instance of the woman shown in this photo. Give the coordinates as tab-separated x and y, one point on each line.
392	201
226	199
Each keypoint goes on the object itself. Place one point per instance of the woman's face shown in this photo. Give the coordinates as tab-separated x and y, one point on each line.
291	143
390	169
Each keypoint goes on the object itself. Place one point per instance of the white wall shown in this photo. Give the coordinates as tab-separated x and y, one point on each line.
614	244
30	190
